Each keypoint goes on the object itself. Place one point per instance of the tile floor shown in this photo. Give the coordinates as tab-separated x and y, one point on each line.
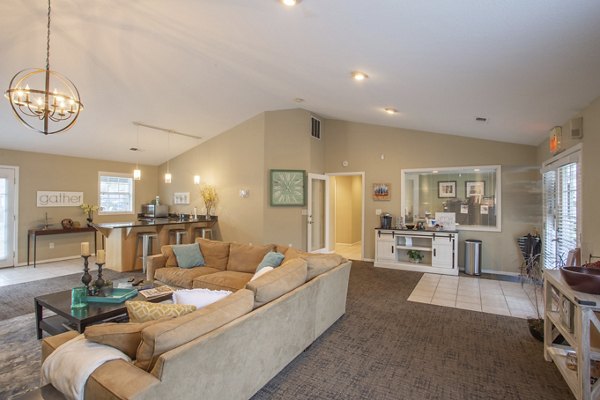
476	294
351	252
10	276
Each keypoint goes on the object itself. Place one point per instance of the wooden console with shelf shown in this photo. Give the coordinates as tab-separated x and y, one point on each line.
439	250
573	315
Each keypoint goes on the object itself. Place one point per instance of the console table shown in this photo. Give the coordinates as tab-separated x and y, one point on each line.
34	233
573	315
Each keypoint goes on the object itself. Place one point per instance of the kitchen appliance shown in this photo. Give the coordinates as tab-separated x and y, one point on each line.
154	211
386	221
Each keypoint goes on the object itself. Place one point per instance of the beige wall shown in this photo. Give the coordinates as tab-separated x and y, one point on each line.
590	193
38	171
362	146
343	210
231	161
356	208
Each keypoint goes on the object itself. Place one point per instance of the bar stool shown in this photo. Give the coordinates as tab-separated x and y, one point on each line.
205	233
146	239
178	234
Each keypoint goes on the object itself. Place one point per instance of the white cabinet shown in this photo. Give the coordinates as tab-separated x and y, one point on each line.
439	250
573	315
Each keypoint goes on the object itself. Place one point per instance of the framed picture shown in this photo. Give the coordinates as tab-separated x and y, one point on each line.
181	198
382	191
446	189
287	187
474	188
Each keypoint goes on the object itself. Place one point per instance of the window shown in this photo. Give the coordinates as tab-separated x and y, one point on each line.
561	180
472	194
115	193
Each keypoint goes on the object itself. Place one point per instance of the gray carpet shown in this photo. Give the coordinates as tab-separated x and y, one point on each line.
382	348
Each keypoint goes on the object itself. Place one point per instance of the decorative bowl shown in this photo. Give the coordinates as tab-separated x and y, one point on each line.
410	226
586	280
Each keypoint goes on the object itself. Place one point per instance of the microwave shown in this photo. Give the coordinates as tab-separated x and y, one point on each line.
154	211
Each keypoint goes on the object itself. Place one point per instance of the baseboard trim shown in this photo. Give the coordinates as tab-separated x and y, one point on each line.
47	260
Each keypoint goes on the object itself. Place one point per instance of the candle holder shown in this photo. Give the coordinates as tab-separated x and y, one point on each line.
100	282
86	278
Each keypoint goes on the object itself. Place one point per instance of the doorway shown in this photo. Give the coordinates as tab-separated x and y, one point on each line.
347	213
8	215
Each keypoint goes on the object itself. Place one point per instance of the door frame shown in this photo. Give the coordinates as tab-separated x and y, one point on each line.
16	213
362	230
324	178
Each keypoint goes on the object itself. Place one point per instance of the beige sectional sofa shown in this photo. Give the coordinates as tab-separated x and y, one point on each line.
233	347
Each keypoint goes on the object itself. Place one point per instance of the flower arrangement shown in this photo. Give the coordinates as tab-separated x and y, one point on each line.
209	195
89	210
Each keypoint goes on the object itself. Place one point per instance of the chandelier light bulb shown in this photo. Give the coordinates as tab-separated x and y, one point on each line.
390	110
359	75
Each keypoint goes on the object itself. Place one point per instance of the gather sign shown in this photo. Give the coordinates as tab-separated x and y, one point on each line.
59	199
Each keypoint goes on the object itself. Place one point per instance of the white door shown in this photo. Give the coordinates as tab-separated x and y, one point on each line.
7	216
318	213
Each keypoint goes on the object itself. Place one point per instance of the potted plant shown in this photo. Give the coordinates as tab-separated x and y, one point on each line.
209	195
415	256
89	209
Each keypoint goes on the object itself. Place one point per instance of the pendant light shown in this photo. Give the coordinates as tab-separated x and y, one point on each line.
137	173
44	100
168	174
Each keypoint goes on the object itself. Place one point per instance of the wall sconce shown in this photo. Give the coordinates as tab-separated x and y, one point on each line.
196	179
244	193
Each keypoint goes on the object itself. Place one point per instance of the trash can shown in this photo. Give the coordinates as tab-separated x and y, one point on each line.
473	257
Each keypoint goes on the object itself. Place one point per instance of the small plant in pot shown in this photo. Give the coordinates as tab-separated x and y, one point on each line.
415	256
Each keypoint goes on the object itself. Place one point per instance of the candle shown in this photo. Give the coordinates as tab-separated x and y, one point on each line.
85	248
100	257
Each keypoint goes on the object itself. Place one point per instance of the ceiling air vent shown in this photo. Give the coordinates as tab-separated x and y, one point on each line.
315	127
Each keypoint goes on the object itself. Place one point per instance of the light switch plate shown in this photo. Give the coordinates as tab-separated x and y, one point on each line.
378	211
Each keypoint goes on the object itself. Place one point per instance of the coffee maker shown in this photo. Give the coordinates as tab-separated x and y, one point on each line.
386	221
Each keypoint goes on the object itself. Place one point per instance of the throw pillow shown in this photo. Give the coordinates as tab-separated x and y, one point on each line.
143	311
122	336
271	259
188	255
199	297
261	272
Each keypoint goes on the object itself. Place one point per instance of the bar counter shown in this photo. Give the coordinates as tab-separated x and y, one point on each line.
120	238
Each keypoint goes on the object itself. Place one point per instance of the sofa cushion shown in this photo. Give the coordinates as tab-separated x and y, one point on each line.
261	272
317	263
246	257
122	336
167	335
278	282
223	280
143	311
199	297
167	252
321	263
188	255
182	277
216	253
271	259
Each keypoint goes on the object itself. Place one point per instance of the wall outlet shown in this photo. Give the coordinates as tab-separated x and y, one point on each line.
304	211
51	245
378	211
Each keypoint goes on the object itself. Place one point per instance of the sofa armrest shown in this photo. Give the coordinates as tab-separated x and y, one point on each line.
51	343
154	262
118	379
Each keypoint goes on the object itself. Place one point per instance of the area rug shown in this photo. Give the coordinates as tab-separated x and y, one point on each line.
383	348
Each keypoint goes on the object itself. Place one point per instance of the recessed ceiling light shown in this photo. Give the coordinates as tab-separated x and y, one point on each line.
390	110
359	75
290	3
134	149
481	119
299	100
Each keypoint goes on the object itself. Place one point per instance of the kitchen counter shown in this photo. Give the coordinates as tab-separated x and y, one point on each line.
120	238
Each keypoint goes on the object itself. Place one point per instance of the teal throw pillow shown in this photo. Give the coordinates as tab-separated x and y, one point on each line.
271	259
188	255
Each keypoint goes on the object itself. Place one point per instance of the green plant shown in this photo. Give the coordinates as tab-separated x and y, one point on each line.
415	255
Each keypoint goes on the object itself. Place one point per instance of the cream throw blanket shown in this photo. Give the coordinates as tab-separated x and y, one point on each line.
70	365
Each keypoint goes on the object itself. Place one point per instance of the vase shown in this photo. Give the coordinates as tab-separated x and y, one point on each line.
415	260
90	218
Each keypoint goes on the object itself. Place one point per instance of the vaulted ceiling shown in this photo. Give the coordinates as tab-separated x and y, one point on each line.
203	66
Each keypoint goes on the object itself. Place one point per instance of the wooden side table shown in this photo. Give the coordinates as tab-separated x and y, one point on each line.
34	233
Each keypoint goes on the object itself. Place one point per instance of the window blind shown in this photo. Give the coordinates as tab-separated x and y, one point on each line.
116	194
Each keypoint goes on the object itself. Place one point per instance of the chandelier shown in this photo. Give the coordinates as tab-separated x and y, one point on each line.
39	107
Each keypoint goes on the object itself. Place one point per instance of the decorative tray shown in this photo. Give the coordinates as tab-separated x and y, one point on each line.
114	295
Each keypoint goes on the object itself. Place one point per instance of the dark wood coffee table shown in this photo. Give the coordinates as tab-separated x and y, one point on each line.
78	318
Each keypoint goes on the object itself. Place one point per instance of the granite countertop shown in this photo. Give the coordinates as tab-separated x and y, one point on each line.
152	222
416	230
